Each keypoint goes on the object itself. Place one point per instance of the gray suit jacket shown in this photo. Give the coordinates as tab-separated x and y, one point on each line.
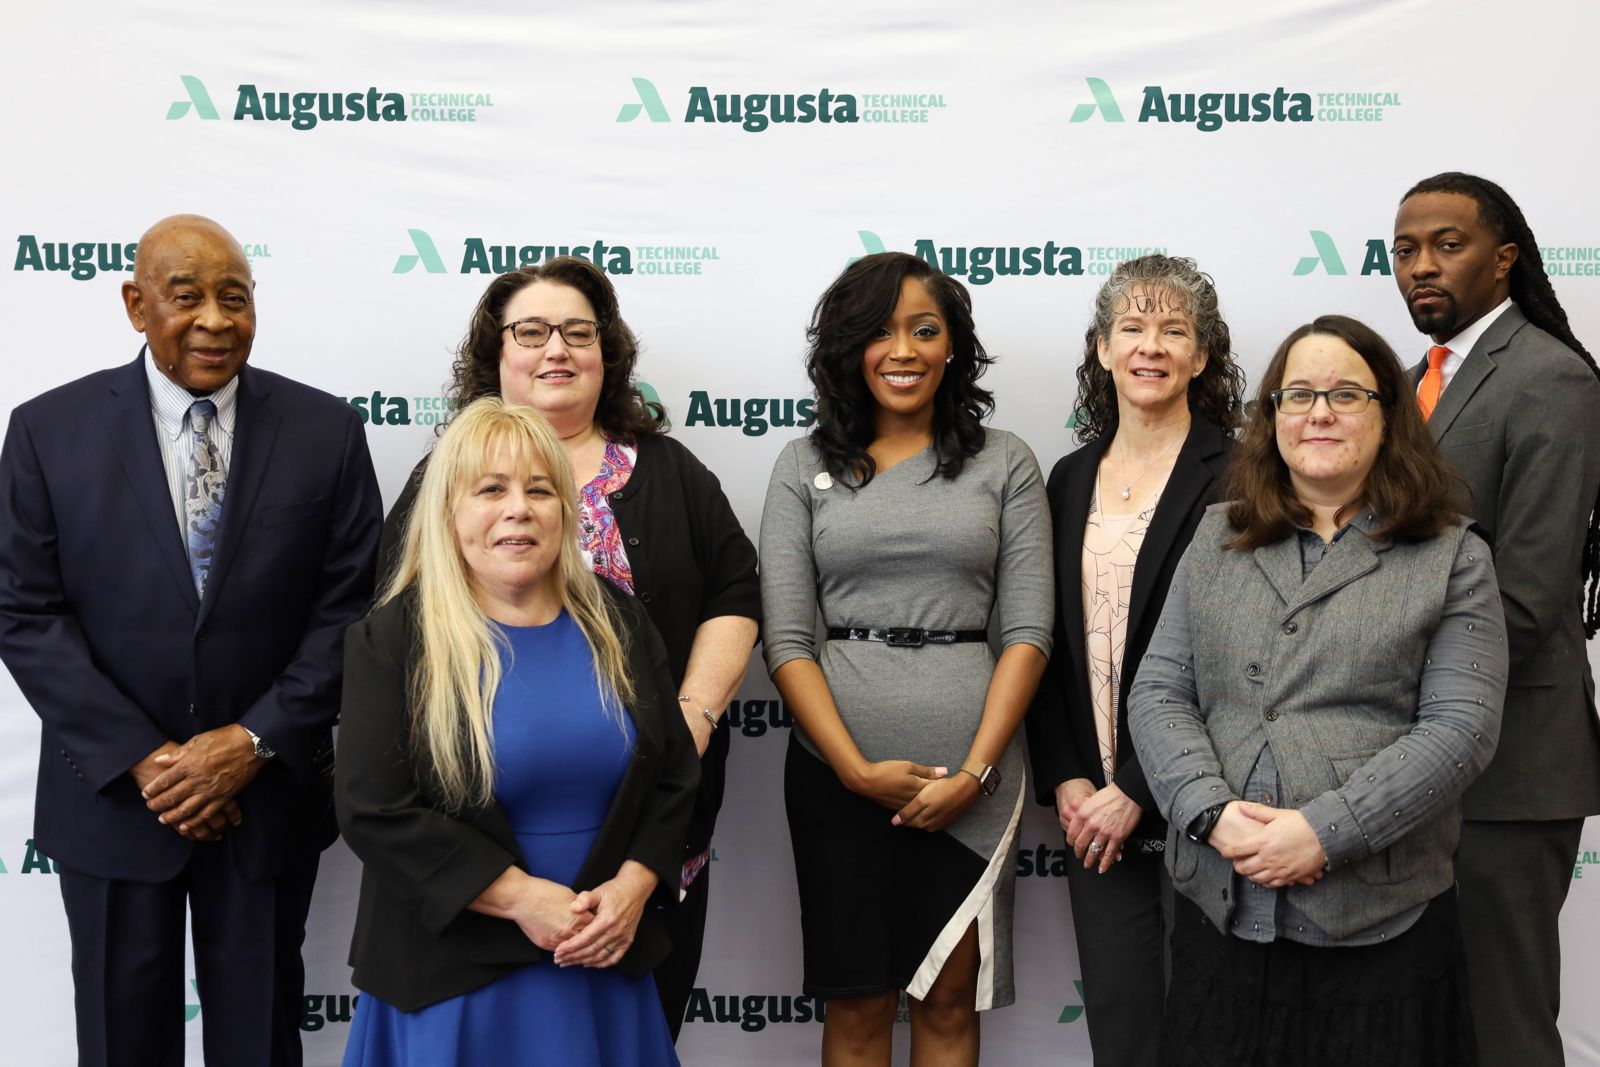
1325	669
1519	422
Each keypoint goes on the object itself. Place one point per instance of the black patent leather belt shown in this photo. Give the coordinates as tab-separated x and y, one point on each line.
905	636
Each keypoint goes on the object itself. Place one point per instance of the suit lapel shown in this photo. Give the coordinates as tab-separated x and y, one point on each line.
1077	492
1186	485
1473	373
255	432
1352	556
131	425
1475	369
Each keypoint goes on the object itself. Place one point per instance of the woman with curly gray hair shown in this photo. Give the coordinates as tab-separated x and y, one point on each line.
1158	398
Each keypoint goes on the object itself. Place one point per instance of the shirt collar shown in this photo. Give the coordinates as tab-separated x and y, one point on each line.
1462	343
171	401
1363	520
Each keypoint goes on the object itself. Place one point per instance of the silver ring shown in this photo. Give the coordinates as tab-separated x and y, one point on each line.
612	950
1096	847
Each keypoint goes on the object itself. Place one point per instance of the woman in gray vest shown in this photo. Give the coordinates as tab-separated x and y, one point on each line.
1325	681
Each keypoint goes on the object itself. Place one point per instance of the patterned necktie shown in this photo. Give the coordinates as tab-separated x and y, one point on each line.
203	487
1432	381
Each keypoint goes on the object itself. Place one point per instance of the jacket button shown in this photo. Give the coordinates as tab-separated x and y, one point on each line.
1291	628
1272	716
634	541
1254	670
644	598
617	495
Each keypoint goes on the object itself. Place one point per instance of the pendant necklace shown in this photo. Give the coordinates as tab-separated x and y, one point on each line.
1127	490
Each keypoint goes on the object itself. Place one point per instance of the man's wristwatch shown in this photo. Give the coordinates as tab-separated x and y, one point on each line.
1204	823
988	777
263	750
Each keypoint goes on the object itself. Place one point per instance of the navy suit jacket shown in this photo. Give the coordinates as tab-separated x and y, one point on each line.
103	632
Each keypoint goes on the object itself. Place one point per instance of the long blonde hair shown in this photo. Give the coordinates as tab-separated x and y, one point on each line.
458	672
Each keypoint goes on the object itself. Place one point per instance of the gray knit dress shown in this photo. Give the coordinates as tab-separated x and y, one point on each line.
882	907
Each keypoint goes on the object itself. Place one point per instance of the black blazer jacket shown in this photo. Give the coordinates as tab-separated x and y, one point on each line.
691	562
1062	742
415	942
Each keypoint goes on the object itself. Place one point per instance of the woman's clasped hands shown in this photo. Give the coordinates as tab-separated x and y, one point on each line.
1273	847
593	928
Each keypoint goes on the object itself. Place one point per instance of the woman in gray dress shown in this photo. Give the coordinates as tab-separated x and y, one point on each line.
908	524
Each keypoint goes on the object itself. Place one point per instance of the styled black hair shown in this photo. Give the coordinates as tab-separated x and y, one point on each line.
846	320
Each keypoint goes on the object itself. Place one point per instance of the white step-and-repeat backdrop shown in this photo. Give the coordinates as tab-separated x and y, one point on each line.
380	161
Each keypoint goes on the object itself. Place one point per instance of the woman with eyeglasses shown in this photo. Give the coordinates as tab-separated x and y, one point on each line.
652	520
1326	679
1158	398
910	525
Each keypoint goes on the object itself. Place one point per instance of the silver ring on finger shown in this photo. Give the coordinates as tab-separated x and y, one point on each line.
1096	847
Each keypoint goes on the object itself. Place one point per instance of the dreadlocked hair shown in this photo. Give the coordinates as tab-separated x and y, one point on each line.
1531	289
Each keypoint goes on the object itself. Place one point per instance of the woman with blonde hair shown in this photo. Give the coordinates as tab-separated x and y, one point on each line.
513	774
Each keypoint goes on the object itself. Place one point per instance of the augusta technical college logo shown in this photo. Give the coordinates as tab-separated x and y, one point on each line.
755	112
378	408
304	110
1585	859
982	264
482	256
83	260
753	1012
32	862
1374	256
1210	111
1571	261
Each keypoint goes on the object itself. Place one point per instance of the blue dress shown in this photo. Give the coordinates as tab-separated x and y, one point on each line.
559	758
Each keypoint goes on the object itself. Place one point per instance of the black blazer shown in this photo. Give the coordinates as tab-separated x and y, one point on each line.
415	942
691	562
1062	742
103	632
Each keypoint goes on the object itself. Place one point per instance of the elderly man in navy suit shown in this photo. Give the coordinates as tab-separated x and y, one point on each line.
183	540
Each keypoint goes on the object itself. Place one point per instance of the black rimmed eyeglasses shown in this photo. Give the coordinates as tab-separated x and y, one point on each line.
1346	400
535	333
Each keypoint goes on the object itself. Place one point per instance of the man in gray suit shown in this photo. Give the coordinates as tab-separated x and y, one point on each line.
1512	398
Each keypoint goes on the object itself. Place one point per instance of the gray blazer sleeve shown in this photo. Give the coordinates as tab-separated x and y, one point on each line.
1164	716
1460	697
1025	571
788	569
1545	501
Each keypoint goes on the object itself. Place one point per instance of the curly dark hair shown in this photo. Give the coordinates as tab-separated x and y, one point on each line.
1533	293
622	411
1217	392
1409	486
846	319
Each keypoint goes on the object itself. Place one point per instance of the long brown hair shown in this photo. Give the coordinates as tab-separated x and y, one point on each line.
1409	486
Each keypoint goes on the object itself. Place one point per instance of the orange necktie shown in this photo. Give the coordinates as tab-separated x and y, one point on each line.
1432	381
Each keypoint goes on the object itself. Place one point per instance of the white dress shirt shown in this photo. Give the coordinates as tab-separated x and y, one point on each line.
169	407
1460	345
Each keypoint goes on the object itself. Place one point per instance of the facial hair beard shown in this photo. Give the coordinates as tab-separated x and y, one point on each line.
1442	321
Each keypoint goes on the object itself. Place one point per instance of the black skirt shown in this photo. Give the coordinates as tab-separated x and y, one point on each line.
1400	1003
873	897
